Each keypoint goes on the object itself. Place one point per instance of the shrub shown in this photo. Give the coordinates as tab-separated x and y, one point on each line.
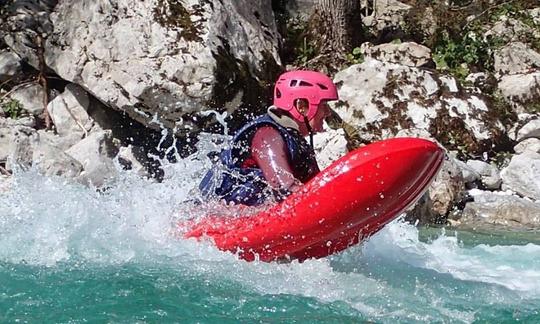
13	108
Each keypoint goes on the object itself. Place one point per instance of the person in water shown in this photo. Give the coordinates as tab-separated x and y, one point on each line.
269	157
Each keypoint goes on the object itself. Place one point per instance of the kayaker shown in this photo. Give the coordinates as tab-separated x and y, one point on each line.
269	158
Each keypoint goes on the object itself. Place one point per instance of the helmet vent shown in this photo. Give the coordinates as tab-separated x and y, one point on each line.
305	84
322	86
278	93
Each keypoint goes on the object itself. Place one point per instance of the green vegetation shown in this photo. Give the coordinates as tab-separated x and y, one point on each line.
462	41
465	54
298	49
533	108
173	15
356	56
13	108
305	51
502	159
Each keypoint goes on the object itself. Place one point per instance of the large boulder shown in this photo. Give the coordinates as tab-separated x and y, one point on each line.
408	53
530	130
489	174
381	99
9	130
522	91
51	161
500	209
10	65
160	60
69	114
30	96
27	21
28	150
470	176
20	150
522	175
447	190
384	15
515	58
96	154
329	146
529	144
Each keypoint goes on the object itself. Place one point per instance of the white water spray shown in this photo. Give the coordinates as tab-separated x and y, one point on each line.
47	221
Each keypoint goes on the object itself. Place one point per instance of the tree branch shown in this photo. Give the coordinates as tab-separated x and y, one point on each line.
42	79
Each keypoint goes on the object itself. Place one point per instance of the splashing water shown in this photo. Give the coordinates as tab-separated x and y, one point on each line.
71	254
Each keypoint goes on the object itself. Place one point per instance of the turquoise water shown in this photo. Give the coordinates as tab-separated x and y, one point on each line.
70	254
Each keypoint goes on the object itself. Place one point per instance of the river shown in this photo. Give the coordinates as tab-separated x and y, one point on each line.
72	254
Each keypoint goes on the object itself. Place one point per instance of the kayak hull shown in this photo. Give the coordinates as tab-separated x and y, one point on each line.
344	204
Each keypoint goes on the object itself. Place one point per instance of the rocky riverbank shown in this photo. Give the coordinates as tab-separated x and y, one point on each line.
87	88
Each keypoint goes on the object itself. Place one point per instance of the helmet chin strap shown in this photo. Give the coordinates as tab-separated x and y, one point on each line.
306	121
310	130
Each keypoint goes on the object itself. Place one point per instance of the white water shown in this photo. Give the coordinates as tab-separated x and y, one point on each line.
47	222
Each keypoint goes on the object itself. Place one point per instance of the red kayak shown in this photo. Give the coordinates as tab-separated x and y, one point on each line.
344	204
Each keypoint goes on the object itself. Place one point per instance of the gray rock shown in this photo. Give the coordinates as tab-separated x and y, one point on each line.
522	175
521	90
415	132
5	182
447	189
26	20
443	194
31	97
501	209
96	153
469	174
516	58
68	112
381	99
535	14
330	146
408	53
489	174
477	78
7	126
159	60
51	161
511	30
529	130
61	142
21	149
386	14
5	142
10	65
28	121
300	9
529	144
129	159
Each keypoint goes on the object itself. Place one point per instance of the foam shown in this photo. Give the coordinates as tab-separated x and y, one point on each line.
49	222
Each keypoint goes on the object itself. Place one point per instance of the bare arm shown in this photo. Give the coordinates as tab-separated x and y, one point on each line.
269	150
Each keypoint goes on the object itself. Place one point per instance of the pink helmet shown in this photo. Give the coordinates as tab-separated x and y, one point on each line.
310	85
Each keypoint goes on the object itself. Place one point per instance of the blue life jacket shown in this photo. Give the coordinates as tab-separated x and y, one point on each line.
234	181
